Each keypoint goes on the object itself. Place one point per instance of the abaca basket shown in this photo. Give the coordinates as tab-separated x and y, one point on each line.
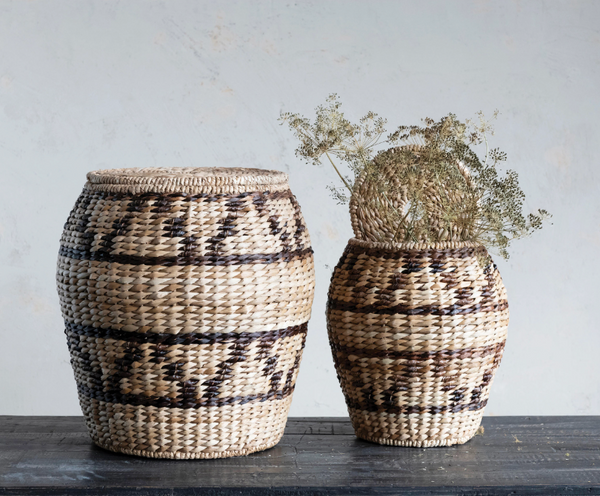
186	294
417	332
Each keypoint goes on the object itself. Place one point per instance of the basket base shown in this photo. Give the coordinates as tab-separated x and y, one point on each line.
415	431
180	455
433	443
185	434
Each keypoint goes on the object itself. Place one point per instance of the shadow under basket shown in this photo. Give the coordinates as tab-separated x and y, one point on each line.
417	333
186	295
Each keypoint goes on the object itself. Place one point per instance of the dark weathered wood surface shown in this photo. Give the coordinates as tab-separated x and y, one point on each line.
514	455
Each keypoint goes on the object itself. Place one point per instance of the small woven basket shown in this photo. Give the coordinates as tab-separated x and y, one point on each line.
417	333
186	295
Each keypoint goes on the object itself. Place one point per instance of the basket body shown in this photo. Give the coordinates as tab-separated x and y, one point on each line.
416	336
186	295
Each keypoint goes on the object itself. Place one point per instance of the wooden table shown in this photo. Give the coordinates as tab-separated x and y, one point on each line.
513	455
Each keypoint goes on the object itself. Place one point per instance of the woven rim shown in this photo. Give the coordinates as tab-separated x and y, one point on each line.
443	245
188	179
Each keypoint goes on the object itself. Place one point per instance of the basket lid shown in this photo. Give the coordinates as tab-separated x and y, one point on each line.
380	202
191	180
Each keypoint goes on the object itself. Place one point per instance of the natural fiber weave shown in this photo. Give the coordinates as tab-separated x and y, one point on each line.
417	334
379	201
186	295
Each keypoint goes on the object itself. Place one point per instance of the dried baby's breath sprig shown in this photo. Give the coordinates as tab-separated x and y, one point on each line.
332	136
429	186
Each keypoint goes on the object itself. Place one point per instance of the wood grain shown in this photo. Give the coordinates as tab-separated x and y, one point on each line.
514	455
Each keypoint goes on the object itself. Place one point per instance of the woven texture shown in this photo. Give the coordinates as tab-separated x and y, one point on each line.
417	334
186	295
379	202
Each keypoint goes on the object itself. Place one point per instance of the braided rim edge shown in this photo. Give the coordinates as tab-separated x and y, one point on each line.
189	179
443	245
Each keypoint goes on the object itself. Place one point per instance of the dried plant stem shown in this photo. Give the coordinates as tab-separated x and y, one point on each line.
339	173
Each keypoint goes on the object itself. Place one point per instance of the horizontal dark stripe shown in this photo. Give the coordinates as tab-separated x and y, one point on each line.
416	409
421	356
173	197
181	260
193	338
401	309
185	403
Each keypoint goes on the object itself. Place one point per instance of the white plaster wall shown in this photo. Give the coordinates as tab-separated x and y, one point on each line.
87	84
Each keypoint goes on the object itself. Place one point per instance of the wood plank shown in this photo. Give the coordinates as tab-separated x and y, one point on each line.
529	455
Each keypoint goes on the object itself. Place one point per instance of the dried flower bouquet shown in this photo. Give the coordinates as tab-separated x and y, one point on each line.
428	185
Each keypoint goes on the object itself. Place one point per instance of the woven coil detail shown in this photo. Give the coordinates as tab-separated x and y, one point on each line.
186	295
200	180
376	212
417	335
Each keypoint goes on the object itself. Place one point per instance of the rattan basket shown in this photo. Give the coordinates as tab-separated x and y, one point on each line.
186	295
417	333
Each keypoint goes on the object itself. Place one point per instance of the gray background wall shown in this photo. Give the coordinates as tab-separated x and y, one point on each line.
100	84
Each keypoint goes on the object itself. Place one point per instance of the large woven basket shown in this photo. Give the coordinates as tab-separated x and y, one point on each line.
417	334
186	295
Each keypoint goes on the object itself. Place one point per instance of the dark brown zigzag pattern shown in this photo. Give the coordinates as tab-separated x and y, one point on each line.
159	204
414	365
350	270
100	387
